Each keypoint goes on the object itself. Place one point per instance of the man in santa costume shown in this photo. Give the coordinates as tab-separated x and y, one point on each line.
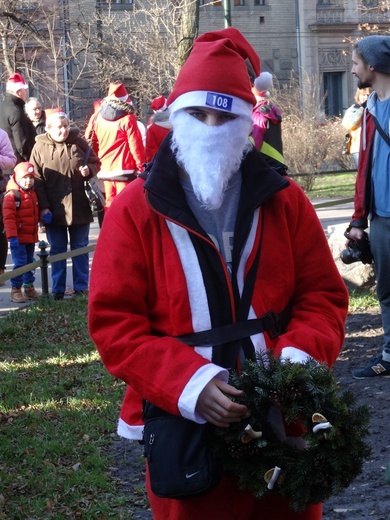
115	135
159	127
207	210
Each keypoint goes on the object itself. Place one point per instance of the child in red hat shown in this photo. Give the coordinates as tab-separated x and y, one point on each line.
21	216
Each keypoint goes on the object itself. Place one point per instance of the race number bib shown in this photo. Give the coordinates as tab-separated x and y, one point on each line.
219	101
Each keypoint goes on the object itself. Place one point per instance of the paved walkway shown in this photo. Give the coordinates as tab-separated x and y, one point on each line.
329	216
5	302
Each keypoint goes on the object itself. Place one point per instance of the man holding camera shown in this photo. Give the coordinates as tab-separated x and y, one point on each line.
371	66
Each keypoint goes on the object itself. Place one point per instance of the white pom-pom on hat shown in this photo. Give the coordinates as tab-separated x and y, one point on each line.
264	82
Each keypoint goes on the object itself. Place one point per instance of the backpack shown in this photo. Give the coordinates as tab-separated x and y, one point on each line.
16	194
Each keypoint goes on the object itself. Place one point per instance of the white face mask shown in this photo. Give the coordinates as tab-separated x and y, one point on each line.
209	154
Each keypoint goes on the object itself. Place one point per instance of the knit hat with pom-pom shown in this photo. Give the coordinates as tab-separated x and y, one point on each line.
22	169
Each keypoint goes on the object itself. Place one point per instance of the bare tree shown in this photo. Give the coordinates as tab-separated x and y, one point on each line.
311	141
70	50
144	47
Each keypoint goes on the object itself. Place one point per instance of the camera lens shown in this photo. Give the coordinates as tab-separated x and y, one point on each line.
346	257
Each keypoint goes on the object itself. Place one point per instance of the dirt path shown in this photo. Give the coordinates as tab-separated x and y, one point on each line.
368	496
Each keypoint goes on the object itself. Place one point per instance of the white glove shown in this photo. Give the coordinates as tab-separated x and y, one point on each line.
294	355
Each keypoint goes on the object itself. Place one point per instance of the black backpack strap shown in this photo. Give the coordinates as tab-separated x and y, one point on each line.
383	134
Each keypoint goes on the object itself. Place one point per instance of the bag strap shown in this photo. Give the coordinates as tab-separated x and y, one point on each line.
87	154
233	331
243	328
383	134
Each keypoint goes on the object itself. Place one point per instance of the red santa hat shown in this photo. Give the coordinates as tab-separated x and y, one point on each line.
51	112
118	91
22	169
215	74
158	104
16	82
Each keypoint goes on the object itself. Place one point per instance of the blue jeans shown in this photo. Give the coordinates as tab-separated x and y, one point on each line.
58	240
22	255
380	247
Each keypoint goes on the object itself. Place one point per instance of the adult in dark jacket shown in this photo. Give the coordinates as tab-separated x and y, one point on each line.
58	158
14	120
36	114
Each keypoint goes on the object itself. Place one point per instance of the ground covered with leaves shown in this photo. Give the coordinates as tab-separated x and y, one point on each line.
60	456
367	496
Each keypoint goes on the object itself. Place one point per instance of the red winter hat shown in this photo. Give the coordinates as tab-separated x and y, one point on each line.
22	169
215	74
158	104
118	90
16	82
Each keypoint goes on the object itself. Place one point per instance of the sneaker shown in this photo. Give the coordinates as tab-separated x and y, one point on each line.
17	296
377	367
80	293
30	293
58	295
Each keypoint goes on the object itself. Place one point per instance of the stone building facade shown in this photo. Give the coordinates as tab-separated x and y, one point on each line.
300	37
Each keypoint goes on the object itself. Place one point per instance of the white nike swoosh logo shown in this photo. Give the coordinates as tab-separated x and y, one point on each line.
189	475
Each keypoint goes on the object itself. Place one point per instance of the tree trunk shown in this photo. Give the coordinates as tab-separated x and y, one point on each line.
189	28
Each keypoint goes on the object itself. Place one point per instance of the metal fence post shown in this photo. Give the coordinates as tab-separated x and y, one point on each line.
43	254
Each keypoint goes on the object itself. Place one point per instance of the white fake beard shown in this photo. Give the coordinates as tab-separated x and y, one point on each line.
210	155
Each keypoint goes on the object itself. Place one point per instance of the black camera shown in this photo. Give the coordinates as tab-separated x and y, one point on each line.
358	250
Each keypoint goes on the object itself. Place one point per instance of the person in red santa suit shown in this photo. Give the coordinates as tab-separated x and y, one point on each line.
115	135
159	127
206	208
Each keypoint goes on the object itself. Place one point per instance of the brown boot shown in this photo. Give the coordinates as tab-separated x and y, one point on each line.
2	272
30	293
17	296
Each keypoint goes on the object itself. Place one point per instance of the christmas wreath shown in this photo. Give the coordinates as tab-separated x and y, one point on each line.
330	450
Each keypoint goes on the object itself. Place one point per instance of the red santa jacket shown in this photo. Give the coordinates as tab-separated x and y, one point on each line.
156	133
118	140
156	275
21	218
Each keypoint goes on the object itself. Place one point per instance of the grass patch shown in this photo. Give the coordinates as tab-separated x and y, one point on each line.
331	185
58	413
360	300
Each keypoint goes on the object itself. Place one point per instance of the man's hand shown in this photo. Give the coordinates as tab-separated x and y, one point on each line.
215	407
355	233
84	170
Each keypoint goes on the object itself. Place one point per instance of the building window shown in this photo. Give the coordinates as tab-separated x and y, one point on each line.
327	2
239	2
259	2
333	92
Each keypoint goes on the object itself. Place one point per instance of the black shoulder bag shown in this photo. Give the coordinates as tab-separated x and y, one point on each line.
180	453
93	193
